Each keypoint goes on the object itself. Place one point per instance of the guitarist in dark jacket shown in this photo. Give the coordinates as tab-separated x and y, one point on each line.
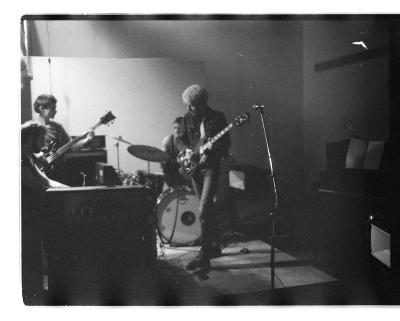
202	122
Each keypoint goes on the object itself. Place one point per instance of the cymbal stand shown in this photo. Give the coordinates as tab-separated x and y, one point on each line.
117	146
83	179
271	181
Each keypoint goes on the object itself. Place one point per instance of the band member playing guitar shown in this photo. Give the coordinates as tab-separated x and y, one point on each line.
201	122
46	108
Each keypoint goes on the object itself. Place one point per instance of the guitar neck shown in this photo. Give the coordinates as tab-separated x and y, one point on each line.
69	145
221	133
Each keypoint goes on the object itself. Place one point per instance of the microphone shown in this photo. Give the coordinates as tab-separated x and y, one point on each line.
257	106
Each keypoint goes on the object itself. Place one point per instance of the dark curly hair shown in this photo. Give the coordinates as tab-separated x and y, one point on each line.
44	101
178	120
31	129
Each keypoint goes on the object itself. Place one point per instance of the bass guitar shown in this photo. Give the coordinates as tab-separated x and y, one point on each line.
45	161
190	158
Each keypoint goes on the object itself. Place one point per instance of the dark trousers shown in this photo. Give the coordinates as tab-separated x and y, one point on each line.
205	184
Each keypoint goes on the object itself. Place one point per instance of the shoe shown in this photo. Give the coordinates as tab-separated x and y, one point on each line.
199	262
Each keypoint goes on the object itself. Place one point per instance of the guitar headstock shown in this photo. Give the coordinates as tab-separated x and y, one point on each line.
107	118
241	119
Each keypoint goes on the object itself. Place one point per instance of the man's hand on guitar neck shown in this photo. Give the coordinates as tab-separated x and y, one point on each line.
81	143
206	146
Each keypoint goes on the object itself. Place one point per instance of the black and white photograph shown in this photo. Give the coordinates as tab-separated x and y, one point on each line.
209	159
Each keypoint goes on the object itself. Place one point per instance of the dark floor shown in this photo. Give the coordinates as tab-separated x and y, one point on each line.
359	281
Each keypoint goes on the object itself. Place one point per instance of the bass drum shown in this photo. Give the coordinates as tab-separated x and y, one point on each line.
178	219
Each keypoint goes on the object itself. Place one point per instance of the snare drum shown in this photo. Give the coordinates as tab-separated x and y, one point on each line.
178	219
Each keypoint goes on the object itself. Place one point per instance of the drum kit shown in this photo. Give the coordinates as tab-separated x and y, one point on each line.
177	209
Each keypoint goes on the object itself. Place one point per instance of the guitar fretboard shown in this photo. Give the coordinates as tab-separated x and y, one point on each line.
69	145
221	133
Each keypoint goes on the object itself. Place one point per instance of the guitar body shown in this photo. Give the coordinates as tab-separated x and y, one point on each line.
49	149
49	161
56	170
191	159
41	158
46	167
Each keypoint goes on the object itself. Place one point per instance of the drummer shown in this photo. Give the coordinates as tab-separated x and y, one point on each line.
172	145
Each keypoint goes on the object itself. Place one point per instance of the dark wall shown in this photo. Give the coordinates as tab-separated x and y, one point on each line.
352	86
26	103
394	51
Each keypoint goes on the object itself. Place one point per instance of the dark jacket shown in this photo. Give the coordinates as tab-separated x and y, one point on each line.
214	122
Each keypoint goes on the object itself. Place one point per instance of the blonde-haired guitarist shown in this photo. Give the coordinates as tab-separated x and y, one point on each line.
201	122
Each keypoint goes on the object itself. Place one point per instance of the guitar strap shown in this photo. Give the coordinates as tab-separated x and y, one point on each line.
202	131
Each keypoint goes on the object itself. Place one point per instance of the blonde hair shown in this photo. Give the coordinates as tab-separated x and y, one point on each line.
195	95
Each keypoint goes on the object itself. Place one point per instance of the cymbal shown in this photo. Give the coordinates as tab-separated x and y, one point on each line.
148	153
120	139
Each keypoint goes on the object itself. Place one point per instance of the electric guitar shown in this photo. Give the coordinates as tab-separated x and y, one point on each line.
45	161
190	158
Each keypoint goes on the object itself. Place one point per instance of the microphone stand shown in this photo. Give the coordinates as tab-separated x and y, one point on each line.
271	180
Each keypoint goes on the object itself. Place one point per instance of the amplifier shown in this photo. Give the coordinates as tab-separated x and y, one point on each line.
380	245
82	164
106	175
97	142
100	243
248	178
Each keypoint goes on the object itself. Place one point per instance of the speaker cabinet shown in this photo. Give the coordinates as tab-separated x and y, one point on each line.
105	174
100	244
384	270
80	167
380	245
250	191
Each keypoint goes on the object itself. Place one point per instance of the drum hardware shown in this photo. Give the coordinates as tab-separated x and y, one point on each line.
117	146
128	178
83	179
154	181
148	153
177	215
119	139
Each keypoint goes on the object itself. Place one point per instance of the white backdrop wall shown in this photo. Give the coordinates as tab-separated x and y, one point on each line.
144	95
246	61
